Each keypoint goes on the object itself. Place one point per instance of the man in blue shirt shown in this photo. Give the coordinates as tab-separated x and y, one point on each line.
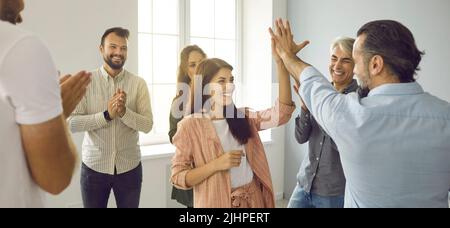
394	143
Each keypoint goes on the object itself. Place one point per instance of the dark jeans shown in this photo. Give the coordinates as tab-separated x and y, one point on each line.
96	188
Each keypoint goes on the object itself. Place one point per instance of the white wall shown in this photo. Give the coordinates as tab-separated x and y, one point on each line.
72	31
320	21
258	75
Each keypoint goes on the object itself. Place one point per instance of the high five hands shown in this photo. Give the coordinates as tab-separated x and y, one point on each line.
284	40
286	48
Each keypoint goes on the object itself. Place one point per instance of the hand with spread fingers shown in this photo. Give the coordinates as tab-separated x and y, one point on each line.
73	88
284	40
287	49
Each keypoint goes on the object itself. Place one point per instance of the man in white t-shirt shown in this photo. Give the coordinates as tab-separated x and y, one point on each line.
36	150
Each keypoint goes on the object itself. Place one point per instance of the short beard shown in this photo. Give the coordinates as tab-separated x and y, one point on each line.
363	90
112	65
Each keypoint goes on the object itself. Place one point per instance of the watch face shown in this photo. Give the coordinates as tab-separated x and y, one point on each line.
106	115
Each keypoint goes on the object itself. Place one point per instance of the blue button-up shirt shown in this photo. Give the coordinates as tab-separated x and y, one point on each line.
394	144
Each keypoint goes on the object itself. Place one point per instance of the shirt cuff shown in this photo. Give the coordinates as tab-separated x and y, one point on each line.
128	118
100	119
285	108
126	115
180	181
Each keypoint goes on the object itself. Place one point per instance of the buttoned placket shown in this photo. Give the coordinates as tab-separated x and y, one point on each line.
318	157
112	90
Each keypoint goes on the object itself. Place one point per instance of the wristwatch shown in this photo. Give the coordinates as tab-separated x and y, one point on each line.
106	115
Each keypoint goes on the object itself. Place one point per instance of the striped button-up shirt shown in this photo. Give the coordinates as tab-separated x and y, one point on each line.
112	145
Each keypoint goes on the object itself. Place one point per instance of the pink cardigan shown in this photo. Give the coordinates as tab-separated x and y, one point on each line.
197	144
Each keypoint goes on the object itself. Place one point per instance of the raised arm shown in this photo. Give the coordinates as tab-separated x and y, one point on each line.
303	125
320	97
282	111
285	93
287	48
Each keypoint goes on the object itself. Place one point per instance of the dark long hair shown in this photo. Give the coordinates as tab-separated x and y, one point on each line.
238	123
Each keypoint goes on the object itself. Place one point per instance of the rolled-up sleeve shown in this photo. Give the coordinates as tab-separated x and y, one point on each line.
276	116
303	127
182	161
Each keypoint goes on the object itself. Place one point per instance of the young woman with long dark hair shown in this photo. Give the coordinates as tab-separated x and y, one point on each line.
219	152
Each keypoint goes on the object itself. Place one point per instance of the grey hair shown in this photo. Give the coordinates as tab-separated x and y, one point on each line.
345	43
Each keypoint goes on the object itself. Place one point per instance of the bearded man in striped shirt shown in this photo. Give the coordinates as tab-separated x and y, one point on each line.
115	109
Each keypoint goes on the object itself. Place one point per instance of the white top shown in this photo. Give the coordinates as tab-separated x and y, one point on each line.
29	94
115	144
243	174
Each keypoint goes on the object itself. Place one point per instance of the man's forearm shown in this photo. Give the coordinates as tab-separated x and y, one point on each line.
51	154
82	123
139	122
295	66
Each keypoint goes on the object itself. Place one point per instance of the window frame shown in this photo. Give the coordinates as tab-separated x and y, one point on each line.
153	139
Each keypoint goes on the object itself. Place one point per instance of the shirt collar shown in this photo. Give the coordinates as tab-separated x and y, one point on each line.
412	88
351	88
106	76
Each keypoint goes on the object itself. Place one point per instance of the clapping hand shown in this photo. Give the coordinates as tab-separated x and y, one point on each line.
73	88
116	105
121	103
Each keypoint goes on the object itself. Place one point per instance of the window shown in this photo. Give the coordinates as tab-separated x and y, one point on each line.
165	27
213	27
